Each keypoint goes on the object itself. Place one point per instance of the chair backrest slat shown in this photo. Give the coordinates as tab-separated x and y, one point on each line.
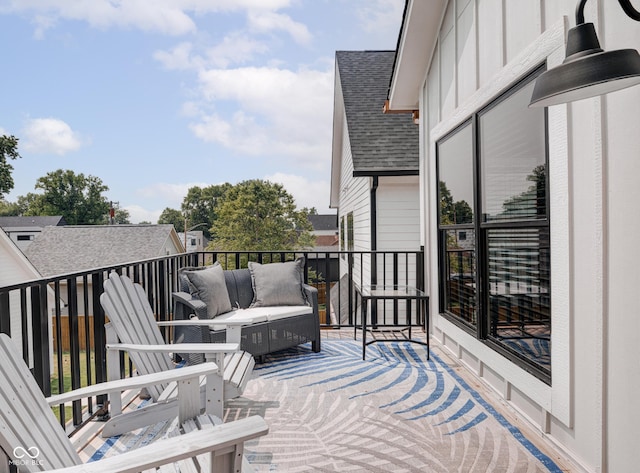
130	313
28	427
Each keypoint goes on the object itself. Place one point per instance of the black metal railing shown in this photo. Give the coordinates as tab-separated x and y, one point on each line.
58	322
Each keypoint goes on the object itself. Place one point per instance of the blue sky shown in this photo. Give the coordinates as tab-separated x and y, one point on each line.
156	96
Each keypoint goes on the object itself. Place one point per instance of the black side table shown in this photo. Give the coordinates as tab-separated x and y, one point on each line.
377	292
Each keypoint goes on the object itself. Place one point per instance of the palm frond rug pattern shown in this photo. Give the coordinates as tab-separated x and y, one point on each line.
396	411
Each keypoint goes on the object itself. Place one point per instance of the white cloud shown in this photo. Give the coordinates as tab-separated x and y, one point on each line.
307	193
172	17
50	135
172	193
285	112
139	214
179	57
381	16
267	21
235	48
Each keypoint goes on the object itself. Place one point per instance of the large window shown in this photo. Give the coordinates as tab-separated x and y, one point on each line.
494	228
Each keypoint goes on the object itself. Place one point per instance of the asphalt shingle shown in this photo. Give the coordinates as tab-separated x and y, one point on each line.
379	142
73	248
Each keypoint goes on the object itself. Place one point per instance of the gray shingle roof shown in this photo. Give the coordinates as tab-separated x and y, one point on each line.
69	249
35	221
380	143
324	222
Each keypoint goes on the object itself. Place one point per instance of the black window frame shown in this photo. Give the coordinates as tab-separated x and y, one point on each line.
479	230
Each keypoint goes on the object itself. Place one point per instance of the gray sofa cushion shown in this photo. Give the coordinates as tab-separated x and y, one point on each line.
239	287
278	284
208	284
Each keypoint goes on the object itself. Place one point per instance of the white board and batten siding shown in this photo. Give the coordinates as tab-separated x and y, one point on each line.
398	223
398	213
398	230
483	48
354	198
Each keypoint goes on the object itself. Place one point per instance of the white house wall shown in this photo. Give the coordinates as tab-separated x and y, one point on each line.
617	190
398	211
15	269
355	197
484	47
398	223
398	229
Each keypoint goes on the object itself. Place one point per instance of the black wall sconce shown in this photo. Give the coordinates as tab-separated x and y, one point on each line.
587	70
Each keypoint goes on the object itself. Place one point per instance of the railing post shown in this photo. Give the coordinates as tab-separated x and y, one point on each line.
161	298
41	365
5	313
350	263
99	337
327	288
420	276
74	344
24	316
87	334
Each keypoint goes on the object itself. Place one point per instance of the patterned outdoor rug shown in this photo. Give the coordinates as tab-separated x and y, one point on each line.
396	411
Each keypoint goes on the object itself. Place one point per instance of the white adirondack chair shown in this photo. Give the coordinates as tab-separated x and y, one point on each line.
33	440
133	324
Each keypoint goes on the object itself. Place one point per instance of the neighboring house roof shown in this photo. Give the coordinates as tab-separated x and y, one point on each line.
35	221
326	240
69	249
381	144
14	266
324	222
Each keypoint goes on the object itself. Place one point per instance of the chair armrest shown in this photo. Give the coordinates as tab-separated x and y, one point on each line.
312	295
177	347
135	382
188	300
221	437
202	322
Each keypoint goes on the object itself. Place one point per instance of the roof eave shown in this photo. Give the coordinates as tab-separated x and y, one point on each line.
385	172
337	144
416	43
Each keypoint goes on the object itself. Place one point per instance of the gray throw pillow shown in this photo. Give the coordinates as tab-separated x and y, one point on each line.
208	285
277	284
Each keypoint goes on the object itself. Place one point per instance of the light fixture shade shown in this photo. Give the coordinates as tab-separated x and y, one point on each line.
587	71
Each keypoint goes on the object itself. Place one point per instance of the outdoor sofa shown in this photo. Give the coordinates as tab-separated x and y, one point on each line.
265	307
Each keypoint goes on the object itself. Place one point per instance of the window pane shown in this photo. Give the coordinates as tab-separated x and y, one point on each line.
350	241
455	175
519	291
460	274
513	156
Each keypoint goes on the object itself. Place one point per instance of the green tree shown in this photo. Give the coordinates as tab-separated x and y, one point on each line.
453	212
533	201
78	198
8	150
9	209
259	215
174	217
200	206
